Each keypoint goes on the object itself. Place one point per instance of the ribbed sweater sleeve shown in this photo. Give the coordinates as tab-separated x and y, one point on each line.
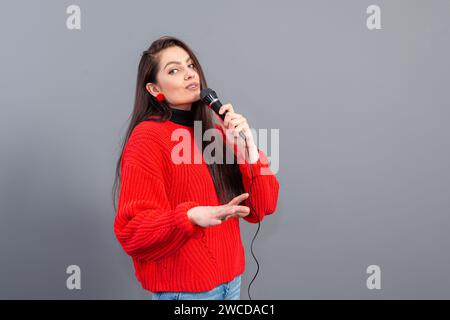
265	187
146	225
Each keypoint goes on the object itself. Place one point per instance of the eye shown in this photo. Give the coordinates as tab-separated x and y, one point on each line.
170	72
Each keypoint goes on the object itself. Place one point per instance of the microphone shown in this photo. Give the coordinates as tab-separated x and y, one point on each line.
209	97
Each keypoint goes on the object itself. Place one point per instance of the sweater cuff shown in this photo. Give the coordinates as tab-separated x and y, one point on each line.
260	167
182	220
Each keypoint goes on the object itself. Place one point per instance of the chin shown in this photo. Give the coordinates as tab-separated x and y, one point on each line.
195	98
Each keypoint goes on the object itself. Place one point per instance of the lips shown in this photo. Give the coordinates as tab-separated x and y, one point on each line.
192	86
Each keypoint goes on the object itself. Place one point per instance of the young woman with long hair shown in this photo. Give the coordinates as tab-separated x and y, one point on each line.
180	221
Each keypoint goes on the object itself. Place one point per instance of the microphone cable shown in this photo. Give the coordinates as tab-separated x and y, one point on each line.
209	97
256	214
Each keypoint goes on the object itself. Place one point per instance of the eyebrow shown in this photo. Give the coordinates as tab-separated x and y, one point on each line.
176	62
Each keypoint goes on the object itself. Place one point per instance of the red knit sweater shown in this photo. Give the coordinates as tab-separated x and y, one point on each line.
168	251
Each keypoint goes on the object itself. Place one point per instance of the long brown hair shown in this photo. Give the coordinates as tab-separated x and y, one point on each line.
227	176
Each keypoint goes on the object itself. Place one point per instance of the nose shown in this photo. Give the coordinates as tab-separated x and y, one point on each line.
190	74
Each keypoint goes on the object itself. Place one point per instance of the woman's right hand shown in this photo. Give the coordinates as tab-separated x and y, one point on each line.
208	216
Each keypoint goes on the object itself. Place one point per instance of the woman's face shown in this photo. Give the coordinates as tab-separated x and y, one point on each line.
176	72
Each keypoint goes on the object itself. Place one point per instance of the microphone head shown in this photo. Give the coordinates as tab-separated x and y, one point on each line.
208	95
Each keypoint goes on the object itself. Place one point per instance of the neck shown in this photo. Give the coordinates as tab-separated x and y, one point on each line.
182	107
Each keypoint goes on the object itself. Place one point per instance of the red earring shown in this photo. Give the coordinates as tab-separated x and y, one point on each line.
160	97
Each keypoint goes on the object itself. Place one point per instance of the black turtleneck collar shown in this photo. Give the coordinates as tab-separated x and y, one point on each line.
183	117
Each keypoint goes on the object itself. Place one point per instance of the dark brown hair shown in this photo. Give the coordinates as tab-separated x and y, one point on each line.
227	176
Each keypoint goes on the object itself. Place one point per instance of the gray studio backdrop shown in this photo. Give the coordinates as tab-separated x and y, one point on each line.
363	124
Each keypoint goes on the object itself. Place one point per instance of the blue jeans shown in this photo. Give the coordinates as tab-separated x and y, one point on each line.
226	291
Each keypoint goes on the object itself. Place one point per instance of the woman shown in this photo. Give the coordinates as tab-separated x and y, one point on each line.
180	221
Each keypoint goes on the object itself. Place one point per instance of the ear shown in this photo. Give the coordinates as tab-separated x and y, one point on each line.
152	88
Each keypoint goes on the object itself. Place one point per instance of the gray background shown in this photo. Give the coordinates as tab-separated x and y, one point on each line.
364	140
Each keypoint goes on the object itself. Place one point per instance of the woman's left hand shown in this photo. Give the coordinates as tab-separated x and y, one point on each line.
235	123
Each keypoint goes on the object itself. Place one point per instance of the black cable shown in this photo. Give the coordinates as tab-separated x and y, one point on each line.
259	220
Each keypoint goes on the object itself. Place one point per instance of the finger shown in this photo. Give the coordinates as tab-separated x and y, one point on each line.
242	214
225	215
239	128
227	210
230	216
236	121
242	209
223	108
238	199
227	119
225	218
226	107
223	211
230	117
239	213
